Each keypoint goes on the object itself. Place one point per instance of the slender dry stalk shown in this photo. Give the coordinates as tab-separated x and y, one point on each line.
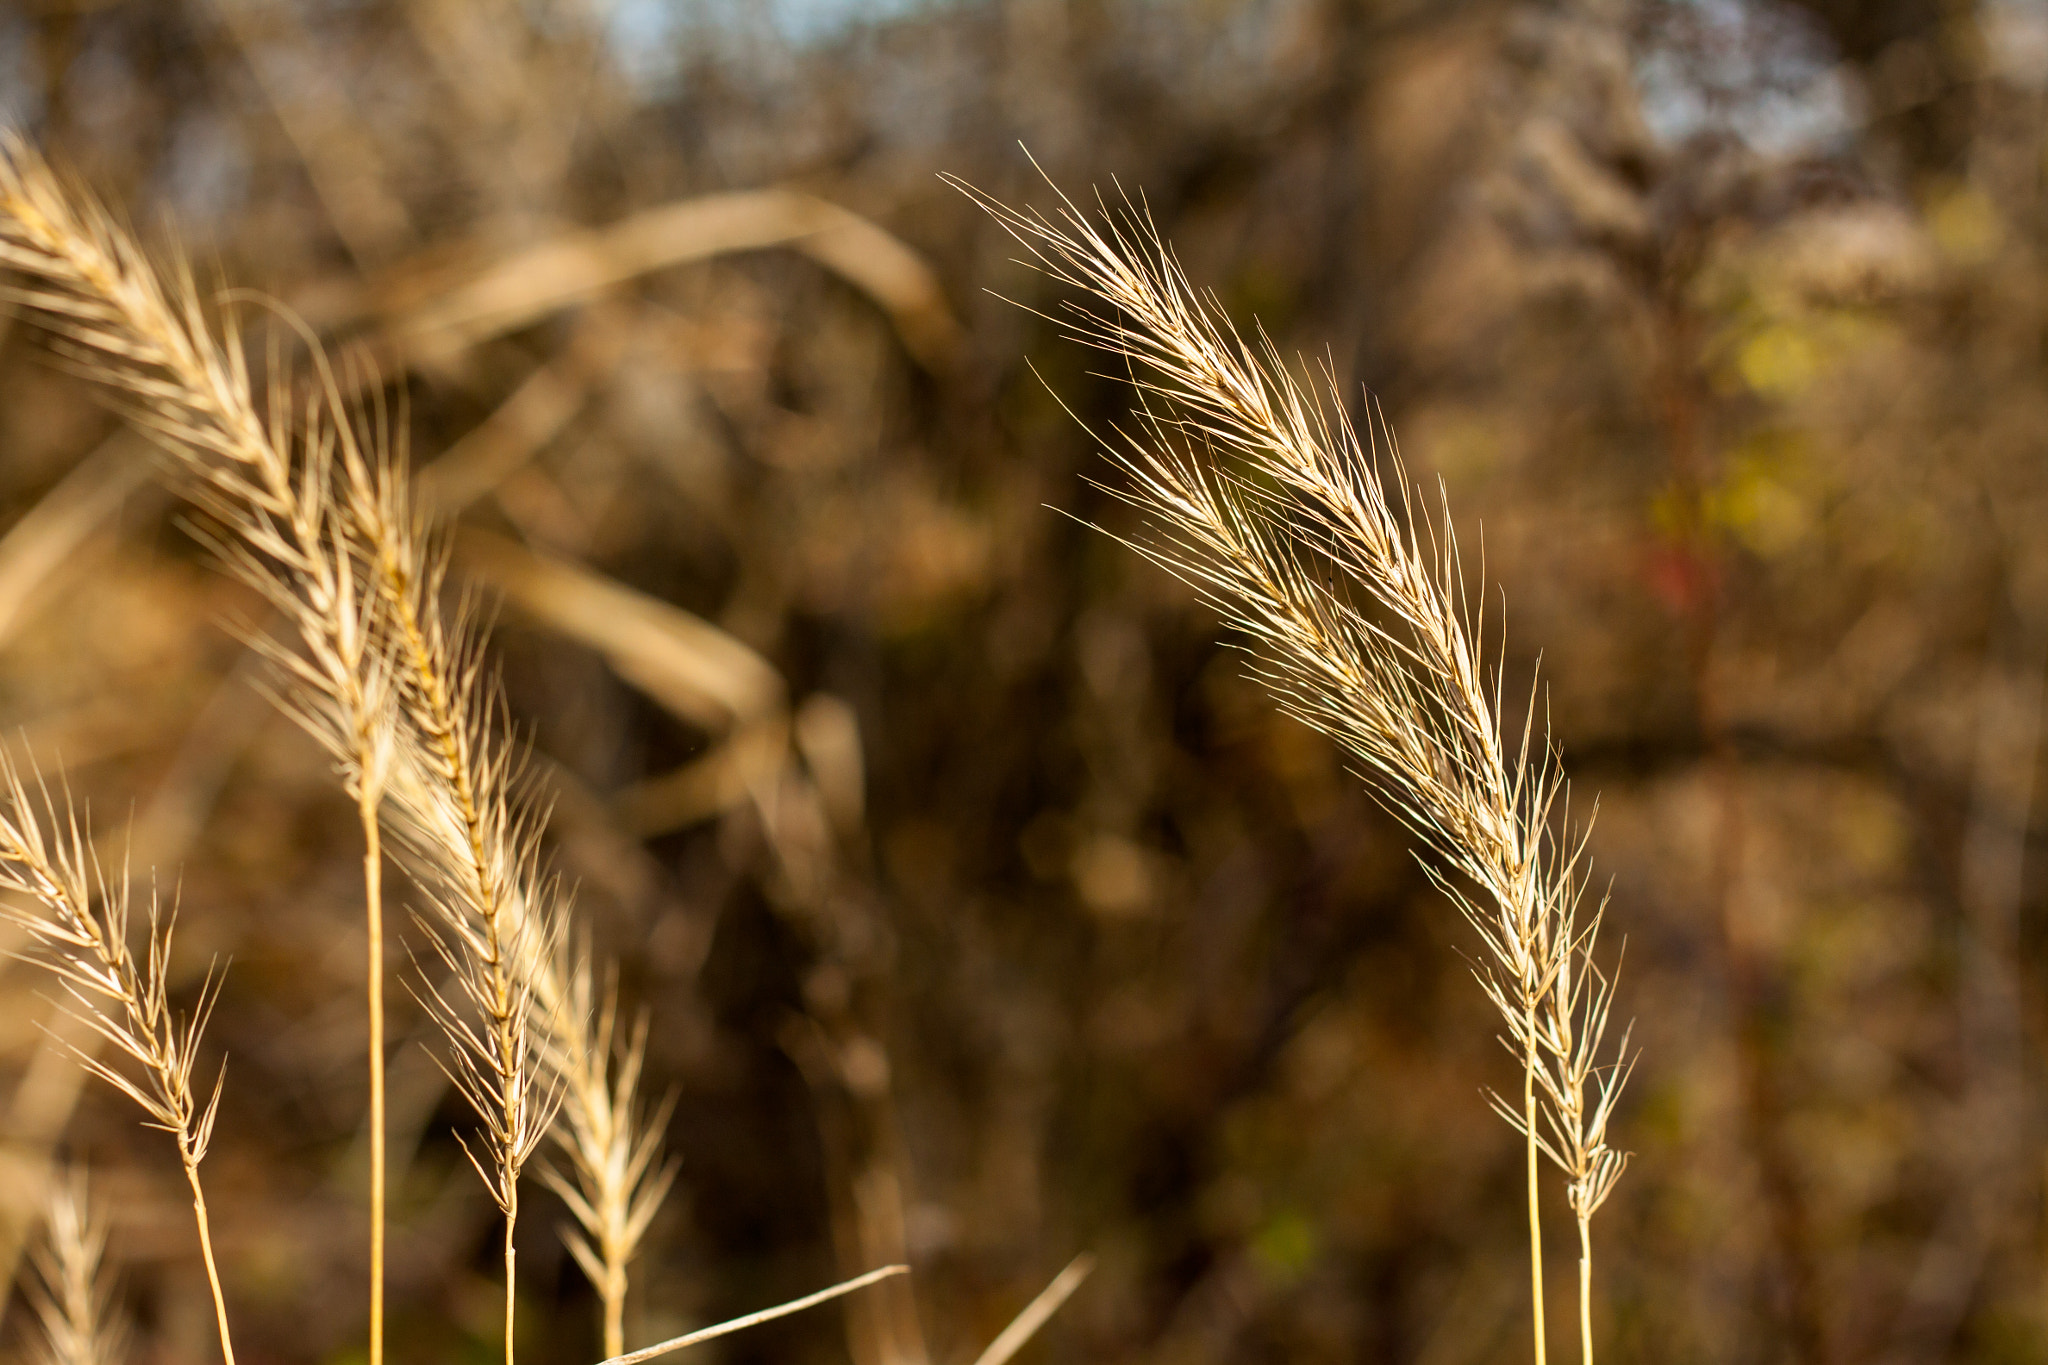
488	922
267	483
1038	1312
473	833
309	507
739	1324
1266	500
79	1327
78	917
617	1176
472	838
373	914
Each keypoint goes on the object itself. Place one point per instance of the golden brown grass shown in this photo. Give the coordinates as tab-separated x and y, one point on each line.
307	503
78	916
306	497
617	1176
70	1303
277	522
1264	497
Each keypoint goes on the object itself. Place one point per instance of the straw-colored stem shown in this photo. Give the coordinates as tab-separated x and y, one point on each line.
220	1305
1266	499
511	1281
1585	1290
732	1325
614	1291
1535	1204
373	905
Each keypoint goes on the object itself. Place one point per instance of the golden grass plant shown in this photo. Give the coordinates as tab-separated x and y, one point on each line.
278	527
77	914
306	500
617	1176
70	1303
1264	497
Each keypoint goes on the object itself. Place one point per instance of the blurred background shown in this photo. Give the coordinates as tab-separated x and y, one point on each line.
983	911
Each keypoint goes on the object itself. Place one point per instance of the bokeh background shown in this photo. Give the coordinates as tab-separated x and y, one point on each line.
983	912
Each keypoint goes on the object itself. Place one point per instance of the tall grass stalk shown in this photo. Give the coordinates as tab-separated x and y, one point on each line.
307	500
78	917
373	911
265	479
1264	497
617	1177
71	1302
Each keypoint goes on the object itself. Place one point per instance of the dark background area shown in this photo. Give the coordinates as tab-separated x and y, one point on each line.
984	912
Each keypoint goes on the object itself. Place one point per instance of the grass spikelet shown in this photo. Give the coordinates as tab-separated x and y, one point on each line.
1264	497
78	917
308	503
265	476
71	1300
472	842
617	1177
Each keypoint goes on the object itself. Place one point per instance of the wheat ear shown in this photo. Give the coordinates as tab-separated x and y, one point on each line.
472	833
267	482
78	917
1265	498
617	1177
472	837
312	511
70	1303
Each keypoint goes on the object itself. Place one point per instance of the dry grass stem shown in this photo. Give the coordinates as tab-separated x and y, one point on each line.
1266	499
1038	1312
78	917
70	1303
617	1175
266	480
473	849
740	1324
307	499
578	265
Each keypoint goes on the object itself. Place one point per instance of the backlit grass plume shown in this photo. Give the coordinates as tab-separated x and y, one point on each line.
1262	495
78	1325
307	499
78	916
265	475
617	1176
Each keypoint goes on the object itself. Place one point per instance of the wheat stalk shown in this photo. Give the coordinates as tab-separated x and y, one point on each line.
267	483
617	1176
1265	498
473	839
309	505
491	918
70	1303
78	917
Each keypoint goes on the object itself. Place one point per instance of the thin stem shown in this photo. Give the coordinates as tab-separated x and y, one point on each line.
1585	1290
1535	1207
614	1311
1267	501
662	1348
220	1306
511	1280
1038	1312
373	904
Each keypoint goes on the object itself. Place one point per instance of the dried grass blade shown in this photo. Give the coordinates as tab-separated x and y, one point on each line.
1038	1312
739	1324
